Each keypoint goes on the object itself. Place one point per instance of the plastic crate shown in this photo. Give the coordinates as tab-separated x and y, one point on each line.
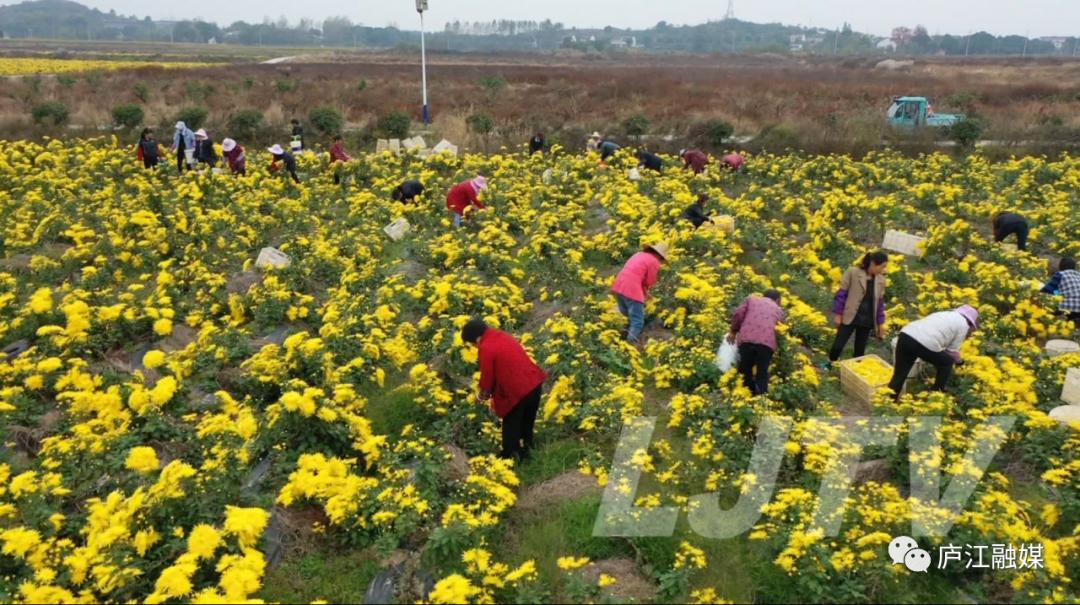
904	243
1070	391
272	257
397	229
1061	347
861	388
382	145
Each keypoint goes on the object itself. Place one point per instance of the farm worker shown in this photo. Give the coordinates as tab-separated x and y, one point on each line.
734	161
297	135
148	149
632	285
234	156
511	381
407	192
935	339
537	143
1067	283
607	149
464	195
859	304
280	155
593	144
337	154
1010	223
695	213
650	161
753	326
204	148
184	146
694	159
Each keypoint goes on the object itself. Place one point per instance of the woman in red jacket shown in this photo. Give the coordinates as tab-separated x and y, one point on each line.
463	195
511	381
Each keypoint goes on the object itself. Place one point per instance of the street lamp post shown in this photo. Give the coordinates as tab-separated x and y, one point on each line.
421	6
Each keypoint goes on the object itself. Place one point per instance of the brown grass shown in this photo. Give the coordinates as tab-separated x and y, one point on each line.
825	104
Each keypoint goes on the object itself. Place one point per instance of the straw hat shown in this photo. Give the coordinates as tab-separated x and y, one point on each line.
660	248
228	145
276	149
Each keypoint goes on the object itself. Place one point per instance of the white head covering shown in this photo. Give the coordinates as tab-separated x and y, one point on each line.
201	133
276	149
181	125
228	145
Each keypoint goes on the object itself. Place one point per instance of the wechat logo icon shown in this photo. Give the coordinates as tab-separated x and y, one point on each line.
905	551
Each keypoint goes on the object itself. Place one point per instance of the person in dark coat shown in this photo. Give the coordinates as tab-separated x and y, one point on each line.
650	161
695	213
1010	223
607	149
537	143
511	381
204	149
407	192
297	133
148	149
286	158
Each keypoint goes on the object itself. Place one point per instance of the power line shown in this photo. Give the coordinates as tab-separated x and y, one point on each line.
730	10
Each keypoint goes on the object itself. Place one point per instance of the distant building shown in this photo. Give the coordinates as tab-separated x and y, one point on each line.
1057	41
626	42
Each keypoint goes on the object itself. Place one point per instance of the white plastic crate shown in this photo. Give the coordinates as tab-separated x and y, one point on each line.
397	229
395	146
382	145
1070	391
904	243
447	146
634	174
272	258
1061	347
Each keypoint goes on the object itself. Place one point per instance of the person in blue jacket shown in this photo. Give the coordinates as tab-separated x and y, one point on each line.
182	142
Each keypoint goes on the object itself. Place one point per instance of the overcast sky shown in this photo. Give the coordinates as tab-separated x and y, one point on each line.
1024	17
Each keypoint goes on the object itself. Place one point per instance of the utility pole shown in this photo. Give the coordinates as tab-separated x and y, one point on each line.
967	45
836	41
421	6
730	14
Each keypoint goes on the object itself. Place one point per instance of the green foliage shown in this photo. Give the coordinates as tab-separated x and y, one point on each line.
718	131
194	117
777	138
326	573
53	113
246	123
481	123
395	124
66	80
636	125
286	85
142	93
326	119
127	115
966	133
361	86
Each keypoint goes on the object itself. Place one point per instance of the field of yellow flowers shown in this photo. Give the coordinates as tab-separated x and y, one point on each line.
20	66
180	415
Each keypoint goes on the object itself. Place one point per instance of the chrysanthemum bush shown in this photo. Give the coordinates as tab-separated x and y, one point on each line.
154	388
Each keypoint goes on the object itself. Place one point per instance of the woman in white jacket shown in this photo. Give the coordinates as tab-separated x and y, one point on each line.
935	339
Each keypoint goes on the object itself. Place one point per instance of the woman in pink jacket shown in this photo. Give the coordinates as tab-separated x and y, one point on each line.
632	286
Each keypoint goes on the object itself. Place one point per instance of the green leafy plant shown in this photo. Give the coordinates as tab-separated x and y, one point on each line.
326	119
966	133
194	117
127	115
286	85
636	125
481	123
395	124
53	113
246	123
